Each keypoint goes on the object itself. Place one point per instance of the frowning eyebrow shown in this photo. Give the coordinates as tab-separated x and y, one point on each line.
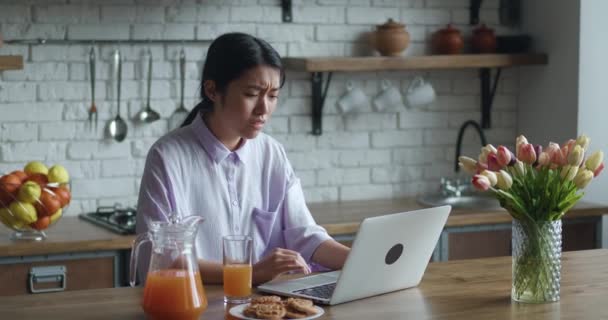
257	87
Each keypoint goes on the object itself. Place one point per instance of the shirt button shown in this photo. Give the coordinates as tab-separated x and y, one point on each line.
234	202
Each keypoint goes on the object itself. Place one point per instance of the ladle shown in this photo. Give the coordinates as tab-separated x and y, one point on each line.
117	127
147	115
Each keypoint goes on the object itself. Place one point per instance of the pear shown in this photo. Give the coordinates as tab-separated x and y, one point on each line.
35	167
58	174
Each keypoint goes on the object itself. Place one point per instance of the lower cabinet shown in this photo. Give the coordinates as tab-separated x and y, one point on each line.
61	272
483	241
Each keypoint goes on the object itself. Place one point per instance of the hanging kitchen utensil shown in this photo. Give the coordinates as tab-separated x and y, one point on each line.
93	119
178	117
147	115
117	127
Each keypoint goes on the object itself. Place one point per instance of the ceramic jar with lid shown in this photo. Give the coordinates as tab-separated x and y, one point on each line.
390	38
447	41
484	40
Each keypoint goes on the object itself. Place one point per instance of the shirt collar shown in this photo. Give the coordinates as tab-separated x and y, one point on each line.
214	147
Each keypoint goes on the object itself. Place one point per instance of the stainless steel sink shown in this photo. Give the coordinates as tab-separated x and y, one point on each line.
460	202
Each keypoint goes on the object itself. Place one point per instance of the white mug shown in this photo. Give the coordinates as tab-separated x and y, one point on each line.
388	99
419	93
352	100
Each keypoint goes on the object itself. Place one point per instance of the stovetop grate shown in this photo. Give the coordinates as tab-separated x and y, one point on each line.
114	218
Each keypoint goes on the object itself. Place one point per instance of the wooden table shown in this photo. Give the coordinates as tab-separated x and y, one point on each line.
468	289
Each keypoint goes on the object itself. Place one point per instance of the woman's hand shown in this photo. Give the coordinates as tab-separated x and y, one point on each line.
277	262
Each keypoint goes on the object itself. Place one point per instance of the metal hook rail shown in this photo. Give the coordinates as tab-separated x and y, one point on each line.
42	41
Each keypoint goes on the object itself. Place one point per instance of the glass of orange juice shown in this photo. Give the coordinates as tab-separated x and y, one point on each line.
237	268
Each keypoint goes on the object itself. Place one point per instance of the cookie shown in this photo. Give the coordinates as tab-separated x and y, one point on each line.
266	299
269	311
250	311
301	305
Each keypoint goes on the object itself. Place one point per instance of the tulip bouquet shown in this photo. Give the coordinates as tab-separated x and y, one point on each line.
537	187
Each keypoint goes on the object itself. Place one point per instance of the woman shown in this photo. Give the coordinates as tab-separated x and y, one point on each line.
219	165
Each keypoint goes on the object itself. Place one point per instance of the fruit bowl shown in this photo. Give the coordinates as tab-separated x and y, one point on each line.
33	199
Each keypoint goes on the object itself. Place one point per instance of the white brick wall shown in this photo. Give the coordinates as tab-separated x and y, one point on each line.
365	155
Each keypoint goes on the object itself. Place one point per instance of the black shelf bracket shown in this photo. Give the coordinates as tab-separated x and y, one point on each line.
488	91
286	9
318	100
474	11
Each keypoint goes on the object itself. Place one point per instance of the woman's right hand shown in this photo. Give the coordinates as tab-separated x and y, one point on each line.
277	262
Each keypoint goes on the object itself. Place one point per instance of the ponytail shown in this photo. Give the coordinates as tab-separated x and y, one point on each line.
204	106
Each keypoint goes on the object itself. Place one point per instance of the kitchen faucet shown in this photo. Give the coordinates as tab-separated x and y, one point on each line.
459	141
455	188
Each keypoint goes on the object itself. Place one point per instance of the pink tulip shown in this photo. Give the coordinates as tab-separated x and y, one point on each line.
481	182
527	154
568	146
481	167
485	151
492	162
520	140
556	154
503	156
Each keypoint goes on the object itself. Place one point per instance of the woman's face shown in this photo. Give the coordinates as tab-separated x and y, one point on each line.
248	101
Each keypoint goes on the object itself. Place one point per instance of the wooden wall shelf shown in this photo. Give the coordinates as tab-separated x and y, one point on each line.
462	61
11	63
484	62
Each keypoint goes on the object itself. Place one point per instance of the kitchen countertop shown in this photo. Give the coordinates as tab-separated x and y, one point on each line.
464	289
71	234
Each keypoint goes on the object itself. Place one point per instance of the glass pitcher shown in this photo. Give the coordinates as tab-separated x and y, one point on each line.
174	288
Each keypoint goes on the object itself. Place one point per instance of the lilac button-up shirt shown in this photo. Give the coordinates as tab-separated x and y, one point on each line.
252	190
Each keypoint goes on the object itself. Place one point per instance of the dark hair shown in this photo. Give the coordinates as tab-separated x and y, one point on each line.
228	57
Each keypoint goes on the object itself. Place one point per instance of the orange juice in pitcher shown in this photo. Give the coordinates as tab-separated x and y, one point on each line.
174	288
174	294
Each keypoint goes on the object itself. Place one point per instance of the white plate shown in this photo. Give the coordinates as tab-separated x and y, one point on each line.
237	311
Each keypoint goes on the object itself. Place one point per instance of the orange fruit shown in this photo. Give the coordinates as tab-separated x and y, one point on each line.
39	178
48	204
41	223
63	194
20	174
10	183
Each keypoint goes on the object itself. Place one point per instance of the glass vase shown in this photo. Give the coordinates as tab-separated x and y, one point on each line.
537	250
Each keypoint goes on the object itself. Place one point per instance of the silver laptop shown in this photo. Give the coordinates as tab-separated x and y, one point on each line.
389	253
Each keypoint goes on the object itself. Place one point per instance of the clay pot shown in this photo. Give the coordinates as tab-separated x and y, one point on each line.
484	40
447	41
391	38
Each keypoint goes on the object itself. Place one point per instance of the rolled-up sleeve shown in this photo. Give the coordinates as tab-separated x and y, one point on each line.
300	231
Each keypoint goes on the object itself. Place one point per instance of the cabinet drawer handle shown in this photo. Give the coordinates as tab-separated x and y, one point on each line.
47	274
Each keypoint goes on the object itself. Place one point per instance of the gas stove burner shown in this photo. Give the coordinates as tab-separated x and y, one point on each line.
116	218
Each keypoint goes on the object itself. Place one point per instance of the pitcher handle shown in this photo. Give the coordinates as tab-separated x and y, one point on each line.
141	239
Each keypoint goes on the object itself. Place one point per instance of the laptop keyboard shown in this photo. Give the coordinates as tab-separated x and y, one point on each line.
323	291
